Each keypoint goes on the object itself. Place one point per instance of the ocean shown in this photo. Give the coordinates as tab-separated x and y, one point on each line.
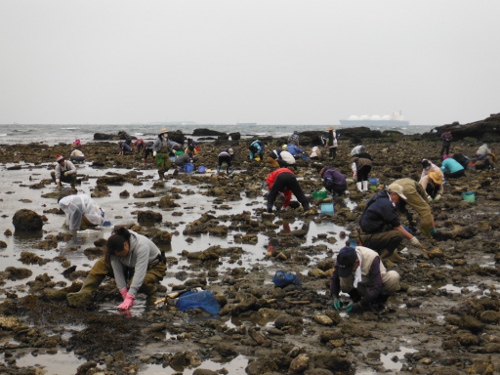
53	134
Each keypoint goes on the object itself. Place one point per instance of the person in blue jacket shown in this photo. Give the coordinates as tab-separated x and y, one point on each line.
256	150
295	150
452	168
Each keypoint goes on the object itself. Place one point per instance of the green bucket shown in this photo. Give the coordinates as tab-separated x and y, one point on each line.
320	194
469	196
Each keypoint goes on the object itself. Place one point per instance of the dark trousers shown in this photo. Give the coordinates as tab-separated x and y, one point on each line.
333	152
389	240
460	173
363	173
224	159
286	181
445	149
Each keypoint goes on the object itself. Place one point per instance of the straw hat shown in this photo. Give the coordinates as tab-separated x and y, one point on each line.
436	177
163	131
330	128
59	158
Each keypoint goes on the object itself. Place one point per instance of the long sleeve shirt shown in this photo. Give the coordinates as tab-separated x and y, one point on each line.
380	214
142	252
272	178
66	168
451	165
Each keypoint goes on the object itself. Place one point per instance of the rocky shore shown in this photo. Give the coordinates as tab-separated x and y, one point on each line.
445	320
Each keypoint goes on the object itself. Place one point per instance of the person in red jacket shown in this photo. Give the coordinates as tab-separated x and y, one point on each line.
283	181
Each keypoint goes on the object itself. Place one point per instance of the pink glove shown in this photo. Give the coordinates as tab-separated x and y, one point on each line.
127	303
124	292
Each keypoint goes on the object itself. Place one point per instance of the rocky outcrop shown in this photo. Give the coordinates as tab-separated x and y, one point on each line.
487	130
26	220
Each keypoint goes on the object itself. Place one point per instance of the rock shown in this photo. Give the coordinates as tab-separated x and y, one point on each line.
299	364
144	194
206	132
149	217
261	366
323	320
26	220
15	273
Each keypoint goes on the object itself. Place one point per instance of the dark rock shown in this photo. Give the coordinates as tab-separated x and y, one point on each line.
149	217
205	132
26	220
487	130
106	137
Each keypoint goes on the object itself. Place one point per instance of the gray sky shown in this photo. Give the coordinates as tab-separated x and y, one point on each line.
270	62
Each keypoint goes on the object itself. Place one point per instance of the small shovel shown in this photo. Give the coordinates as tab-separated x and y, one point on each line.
175	295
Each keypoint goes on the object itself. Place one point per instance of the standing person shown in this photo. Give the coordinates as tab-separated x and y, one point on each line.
381	229
161	150
361	167
134	261
331	143
360	273
256	150
451	168
431	180
65	171
283	181
416	197
446	139
294	138
225	156
333	181
81	212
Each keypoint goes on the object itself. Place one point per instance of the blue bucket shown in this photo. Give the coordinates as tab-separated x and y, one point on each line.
469	196
202	169
373	181
188	168
327	208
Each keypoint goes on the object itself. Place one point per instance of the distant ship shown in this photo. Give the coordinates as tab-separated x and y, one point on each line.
395	119
241	123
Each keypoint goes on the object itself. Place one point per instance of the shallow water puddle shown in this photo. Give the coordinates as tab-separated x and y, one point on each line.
60	363
235	366
392	360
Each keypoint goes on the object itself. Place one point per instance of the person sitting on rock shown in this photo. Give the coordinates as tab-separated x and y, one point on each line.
281	158
333	181
136	264
65	172
77	156
81	212
381	229
226	156
451	168
256	150
433	186
283	181
360	273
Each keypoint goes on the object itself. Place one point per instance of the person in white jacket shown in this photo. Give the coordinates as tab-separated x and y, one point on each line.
81	212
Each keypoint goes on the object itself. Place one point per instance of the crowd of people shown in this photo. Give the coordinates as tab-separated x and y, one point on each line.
364	269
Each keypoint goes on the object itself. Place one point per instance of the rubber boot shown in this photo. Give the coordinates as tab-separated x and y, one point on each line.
384	256
359	186
365	185
218	169
150	291
85	294
162	177
396	258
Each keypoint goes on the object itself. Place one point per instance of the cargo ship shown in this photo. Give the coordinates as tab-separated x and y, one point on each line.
395	119
240	123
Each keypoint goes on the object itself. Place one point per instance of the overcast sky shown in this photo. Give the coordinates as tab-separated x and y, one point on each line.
270	62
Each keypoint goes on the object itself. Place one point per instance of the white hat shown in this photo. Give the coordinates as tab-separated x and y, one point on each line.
230	151
398	189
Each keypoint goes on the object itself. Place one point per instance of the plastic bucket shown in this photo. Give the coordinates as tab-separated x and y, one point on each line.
327	208
188	168
320	194
469	196
179	153
202	169
373	181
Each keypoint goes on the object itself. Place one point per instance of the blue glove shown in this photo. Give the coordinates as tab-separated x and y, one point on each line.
264	185
337	304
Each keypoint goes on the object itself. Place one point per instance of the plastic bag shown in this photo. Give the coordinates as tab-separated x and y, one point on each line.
192	300
282	279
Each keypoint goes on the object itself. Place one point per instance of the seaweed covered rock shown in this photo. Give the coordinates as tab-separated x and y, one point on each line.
26	220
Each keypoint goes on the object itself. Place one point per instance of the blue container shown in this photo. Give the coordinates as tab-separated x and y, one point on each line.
188	168
202	169
469	196
327	208
373	181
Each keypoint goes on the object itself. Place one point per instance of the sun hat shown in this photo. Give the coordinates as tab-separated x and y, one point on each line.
436	177
283	147
346	260
163	131
398	189
230	151
330	128
59	158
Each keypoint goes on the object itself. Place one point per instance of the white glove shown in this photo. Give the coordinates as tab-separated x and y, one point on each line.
66	173
154	153
415	242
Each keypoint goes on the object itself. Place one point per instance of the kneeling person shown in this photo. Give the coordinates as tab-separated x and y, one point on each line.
360	273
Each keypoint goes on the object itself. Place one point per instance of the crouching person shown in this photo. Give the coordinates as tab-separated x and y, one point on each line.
360	273
136	264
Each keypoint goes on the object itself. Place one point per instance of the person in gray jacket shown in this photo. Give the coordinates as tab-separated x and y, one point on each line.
134	261
65	171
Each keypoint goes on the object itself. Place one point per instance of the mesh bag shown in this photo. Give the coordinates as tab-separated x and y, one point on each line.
282	279
204	300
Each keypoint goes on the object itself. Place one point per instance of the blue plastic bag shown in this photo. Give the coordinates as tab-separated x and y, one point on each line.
192	300
282	279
